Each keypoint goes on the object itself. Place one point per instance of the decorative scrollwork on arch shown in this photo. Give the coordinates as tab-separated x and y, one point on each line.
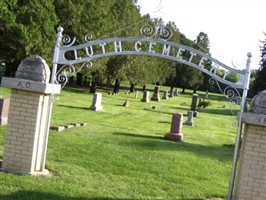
67	40
156	30
88	37
230	93
66	71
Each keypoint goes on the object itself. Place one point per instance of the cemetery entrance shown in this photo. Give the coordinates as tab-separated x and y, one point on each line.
67	53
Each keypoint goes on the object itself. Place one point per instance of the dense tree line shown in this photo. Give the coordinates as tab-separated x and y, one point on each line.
29	27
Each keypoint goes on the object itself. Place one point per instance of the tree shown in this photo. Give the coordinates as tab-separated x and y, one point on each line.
26	28
259	82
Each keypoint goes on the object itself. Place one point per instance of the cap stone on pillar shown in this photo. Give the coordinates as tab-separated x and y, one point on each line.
258	103
34	68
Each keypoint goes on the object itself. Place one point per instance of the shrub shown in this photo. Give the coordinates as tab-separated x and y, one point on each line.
204	104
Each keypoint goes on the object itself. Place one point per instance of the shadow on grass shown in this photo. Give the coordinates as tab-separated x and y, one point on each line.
149	142
32	195
74	107
227	112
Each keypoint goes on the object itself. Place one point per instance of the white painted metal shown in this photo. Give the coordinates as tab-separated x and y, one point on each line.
239	128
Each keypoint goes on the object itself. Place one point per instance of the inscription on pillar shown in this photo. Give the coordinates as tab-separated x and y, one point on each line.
23	84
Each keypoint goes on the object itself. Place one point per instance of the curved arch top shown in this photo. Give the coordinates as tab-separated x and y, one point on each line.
148	47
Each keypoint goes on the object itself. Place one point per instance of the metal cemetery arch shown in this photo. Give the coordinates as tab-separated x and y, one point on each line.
83	54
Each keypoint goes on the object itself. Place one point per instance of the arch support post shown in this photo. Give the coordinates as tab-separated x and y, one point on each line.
239	127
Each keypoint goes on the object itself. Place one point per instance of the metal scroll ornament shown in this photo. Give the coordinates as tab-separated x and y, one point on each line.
156	30
69	70
230	93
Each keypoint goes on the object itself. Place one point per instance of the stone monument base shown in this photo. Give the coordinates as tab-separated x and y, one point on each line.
178	137
155	98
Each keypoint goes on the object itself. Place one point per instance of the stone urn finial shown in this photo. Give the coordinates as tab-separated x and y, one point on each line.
34	68
258	103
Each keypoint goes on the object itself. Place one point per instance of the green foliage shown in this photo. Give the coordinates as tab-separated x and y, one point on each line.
259	82
26	28
204	104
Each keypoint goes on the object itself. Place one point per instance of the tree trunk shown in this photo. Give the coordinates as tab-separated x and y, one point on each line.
183	90
116	86
11	69
132	87
93	87
79	79
171	91
144	88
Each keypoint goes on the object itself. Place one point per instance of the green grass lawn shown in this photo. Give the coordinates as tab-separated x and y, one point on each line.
121	154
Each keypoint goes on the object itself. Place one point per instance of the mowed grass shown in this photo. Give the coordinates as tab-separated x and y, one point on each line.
121	153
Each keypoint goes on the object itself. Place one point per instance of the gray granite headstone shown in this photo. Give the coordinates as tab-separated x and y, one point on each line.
97	102
34	68
194	104
145	97
165	94
190	121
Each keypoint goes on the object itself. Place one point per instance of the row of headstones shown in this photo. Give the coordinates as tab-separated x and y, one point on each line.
156	94
97	98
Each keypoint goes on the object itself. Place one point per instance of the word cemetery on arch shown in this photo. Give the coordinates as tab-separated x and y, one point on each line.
68	54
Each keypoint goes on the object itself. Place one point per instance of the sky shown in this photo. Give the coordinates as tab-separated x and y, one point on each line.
234	27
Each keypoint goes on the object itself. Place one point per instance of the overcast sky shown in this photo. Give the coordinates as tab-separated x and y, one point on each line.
234	27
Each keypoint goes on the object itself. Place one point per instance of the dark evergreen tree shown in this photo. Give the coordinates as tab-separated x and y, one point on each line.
260	79
26	28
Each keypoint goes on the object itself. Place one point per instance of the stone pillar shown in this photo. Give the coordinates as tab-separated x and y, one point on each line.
156	94
251	173
4	107
146	96
29	117
176	128
194	105
97	102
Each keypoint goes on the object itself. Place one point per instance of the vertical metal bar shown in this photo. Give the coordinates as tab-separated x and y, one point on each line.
239	128
56	53
53	81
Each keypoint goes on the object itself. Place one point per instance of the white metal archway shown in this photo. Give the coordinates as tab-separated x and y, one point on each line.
83	54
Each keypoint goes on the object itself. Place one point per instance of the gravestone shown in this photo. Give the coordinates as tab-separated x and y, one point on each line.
29	117
194	105
165	94
126	103
175	133
190	121
136	94
97	102
4	107
156	94
146	96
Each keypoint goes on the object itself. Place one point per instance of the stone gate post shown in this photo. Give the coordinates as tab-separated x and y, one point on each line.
251	173
29	117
